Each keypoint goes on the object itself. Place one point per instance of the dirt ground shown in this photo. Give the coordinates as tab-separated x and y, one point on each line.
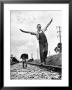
32	73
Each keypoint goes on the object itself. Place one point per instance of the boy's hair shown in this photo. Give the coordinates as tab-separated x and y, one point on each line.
38	25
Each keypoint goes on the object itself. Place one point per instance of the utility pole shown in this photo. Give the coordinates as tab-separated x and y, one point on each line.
31	55
37	53
59	45
49	53
59	32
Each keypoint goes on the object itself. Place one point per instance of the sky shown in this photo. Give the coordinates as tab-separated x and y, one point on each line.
28	20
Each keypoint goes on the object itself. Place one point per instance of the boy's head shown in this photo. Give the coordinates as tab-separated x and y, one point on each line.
38	27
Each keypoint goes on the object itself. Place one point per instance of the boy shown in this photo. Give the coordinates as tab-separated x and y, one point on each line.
43	45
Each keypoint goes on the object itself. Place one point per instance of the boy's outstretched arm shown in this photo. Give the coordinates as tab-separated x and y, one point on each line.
32	33
48	25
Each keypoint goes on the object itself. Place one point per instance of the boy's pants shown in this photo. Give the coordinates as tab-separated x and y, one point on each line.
24	64
43	52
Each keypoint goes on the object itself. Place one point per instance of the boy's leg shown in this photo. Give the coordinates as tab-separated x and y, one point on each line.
45	56
41	55
26	64
23	64
45	52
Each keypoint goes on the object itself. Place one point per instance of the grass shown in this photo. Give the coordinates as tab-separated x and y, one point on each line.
55	60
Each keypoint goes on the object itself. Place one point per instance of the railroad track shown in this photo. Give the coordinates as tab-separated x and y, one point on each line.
48	67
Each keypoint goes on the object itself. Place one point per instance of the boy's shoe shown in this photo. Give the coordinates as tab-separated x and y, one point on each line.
42	63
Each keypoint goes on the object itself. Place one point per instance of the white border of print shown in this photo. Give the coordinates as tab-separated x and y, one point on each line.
65	33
